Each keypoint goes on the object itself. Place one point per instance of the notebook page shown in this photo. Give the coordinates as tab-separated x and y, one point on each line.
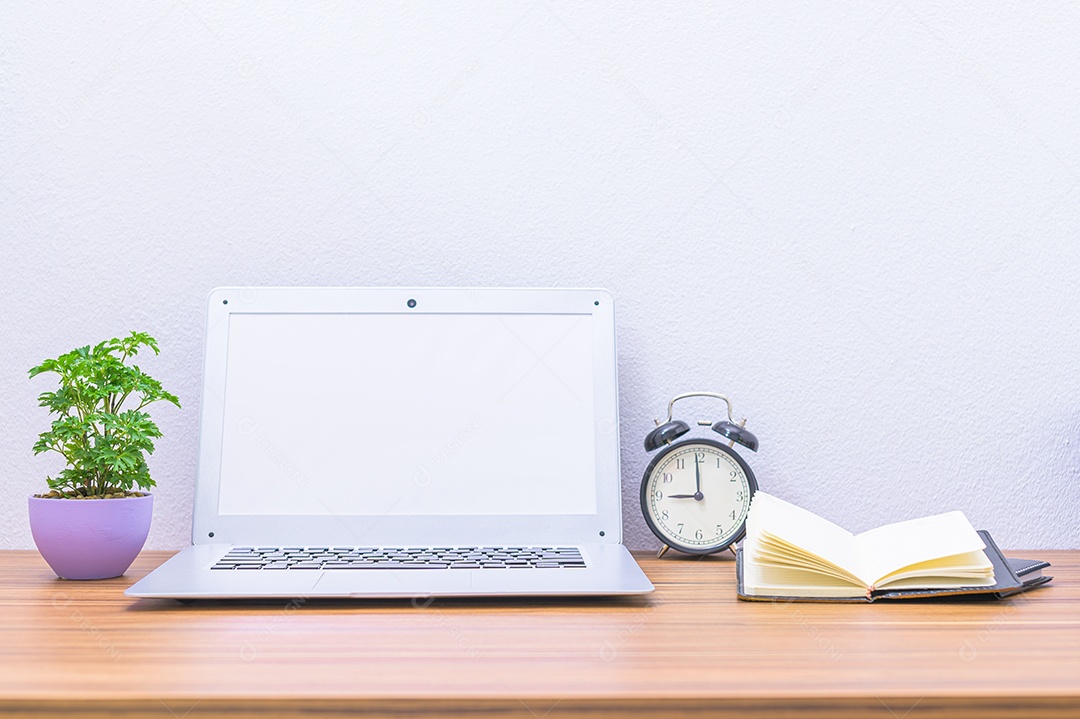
961	569
888	549
772	520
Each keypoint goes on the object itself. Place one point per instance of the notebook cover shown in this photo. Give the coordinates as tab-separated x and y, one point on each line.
1008	582
1024	567
1030	571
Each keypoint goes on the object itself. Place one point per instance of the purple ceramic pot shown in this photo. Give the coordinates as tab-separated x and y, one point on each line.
90	538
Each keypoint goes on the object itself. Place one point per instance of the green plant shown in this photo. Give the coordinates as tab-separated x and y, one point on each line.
105	445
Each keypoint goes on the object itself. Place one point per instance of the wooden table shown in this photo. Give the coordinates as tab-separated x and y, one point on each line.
83	649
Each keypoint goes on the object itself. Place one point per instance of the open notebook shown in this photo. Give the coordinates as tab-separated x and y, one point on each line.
793	554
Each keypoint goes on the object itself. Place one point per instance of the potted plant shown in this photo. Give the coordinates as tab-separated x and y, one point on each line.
94	520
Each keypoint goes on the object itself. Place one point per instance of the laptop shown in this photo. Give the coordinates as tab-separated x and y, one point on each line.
388	442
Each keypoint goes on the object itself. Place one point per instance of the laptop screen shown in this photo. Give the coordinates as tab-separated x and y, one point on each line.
408	414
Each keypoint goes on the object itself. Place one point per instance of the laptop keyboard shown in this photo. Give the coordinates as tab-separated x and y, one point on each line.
274	558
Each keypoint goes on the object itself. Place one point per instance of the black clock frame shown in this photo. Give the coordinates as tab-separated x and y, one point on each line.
751	481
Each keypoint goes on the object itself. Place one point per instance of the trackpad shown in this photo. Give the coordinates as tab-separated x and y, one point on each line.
412	583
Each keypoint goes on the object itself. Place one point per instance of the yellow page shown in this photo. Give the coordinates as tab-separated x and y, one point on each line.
773	521
770	560
968	568
887	550
766	581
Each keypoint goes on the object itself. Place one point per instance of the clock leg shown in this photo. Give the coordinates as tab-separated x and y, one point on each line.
734	549
663	551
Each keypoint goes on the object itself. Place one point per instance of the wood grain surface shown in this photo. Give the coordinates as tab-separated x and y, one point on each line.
83	649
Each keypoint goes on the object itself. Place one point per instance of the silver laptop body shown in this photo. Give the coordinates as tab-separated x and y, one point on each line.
386	442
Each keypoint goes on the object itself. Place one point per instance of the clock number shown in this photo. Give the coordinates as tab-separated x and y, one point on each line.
681	525
668	477
680	463
659	495
734	476
739	496
699	457
664	515
718	530
733	514
718	465
699	534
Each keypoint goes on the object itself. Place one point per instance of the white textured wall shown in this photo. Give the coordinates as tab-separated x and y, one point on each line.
860	220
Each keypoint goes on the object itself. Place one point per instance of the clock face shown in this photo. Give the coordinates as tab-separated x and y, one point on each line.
695	496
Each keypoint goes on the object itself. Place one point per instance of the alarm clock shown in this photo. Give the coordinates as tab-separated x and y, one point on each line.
696	492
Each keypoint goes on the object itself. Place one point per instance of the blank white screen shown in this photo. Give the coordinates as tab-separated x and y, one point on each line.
408	414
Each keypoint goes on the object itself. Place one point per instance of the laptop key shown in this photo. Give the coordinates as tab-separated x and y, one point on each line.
400	558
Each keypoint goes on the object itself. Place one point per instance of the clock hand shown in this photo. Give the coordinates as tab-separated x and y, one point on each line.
696	495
